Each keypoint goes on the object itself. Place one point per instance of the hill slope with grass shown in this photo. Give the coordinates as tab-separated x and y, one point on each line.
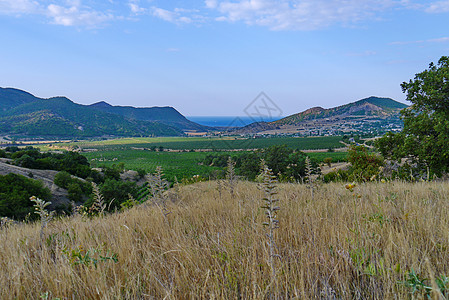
380	114
378	241
372	106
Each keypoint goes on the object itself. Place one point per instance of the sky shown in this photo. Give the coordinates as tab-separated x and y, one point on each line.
214	57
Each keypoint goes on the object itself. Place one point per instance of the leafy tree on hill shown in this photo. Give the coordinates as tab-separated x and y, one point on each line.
287	164
364	165
425	138
15	193
72	162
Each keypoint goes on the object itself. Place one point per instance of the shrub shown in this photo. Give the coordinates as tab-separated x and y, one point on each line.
364	165
15	193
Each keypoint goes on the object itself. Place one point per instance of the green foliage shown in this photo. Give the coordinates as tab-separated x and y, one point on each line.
336	176
92	256
15	193
364	165
216	144
425	137
72	162
115	192
77	189
63	179
328	161
419	285
61	117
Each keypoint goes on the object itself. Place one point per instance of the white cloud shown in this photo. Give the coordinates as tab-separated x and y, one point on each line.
298	14
273	14
19	7
70	13
164	14
135	7
178	15
211	3
76	15
438	7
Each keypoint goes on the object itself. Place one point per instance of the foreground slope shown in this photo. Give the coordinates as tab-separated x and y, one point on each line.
335	244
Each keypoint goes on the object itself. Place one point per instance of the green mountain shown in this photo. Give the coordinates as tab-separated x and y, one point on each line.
13	97
23	114
369	107
371	115
167	115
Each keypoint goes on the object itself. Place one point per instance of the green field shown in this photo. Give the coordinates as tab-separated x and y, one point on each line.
179	164
228	143
136	153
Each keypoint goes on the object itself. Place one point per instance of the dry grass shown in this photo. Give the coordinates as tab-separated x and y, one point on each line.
336	246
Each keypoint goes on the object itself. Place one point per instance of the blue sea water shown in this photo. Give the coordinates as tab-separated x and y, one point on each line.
228	121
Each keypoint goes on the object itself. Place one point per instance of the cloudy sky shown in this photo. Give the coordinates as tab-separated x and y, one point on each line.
213	57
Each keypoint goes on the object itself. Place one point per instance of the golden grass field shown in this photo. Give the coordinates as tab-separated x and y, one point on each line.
337	245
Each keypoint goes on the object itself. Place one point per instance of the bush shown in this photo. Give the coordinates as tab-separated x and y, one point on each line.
364	165
77	189
15	193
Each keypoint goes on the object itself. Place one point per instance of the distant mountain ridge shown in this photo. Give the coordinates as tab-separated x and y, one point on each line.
164	114
375	111
21	113
372	106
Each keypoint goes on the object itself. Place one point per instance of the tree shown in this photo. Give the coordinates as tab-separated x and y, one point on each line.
364	165
424	139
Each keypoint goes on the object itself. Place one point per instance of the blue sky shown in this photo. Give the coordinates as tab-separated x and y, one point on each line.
214	57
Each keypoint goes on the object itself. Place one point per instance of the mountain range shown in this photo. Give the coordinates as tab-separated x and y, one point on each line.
373	113
23	114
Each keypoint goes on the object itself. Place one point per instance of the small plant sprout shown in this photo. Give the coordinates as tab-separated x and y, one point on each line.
40	209
271	208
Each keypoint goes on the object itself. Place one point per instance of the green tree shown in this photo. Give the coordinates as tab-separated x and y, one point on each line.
425	138
364	165
15	193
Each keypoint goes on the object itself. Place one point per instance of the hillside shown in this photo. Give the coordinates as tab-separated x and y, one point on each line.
13	97
59	195
24	114
380	241
373	114
167	115
372	106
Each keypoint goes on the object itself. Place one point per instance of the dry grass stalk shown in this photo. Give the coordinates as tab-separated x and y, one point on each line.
157	186
231	177
271	208
40	209
401	224
98	206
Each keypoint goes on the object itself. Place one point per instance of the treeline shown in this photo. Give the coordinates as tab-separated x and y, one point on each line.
287	164
76	176
15	193
32	158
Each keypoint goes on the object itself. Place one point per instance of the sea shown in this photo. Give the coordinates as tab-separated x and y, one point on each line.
229	121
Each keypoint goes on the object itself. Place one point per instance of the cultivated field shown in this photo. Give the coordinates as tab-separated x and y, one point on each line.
379	241
182	157
226	143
